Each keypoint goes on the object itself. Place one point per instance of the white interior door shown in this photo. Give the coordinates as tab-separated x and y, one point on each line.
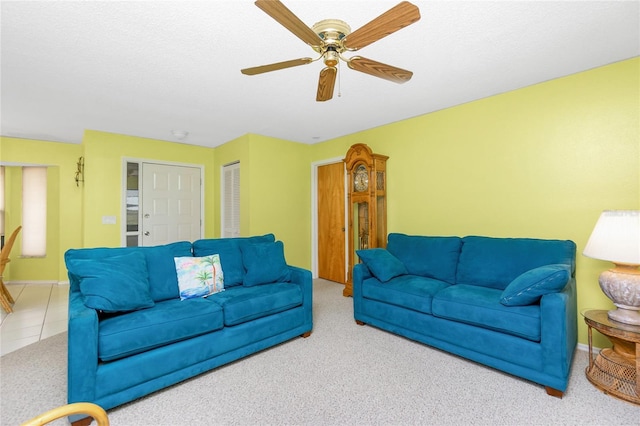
171	204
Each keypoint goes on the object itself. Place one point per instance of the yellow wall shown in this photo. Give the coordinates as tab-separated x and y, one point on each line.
539	162
280	194
104	154
275	182
64	205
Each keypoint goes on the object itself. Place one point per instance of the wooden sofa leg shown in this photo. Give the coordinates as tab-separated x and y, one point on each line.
307	334
83	422
359	322
554	392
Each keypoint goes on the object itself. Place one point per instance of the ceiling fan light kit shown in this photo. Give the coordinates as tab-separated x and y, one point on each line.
330	38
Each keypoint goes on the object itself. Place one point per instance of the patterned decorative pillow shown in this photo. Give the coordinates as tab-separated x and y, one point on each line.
199	276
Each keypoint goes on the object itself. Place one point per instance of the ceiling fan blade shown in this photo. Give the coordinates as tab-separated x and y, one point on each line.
378	69
287	19
326	83
394	19
277	66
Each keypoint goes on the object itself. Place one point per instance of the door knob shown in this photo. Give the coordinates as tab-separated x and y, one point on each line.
146	216
147	233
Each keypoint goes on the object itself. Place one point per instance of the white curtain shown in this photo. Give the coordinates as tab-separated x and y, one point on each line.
34	211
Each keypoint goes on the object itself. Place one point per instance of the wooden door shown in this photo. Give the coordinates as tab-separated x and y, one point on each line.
331	223
171	204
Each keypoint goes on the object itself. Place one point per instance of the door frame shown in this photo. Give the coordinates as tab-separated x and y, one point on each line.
314	213
123	191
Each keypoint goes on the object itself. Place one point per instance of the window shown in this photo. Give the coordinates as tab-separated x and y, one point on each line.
231	200
132	194
34	211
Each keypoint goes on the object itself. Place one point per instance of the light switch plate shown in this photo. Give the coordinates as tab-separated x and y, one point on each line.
108	220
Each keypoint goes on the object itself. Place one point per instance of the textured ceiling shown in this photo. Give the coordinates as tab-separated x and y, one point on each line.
149	67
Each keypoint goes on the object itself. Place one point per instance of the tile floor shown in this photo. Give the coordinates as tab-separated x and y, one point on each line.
40	311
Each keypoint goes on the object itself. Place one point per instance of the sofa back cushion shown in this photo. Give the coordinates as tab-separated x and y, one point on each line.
495	262
427	256
163	281
264	263
230	253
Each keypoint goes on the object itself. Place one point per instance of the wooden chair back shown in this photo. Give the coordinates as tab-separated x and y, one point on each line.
6	249
94	411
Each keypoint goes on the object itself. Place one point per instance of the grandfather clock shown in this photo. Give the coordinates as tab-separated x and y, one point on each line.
367	203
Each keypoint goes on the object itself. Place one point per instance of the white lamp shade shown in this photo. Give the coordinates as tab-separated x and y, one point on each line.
616	237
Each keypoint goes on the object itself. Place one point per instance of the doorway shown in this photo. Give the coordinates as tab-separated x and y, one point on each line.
163	203
331	222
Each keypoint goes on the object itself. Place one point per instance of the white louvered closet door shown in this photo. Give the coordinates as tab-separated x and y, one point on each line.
231	200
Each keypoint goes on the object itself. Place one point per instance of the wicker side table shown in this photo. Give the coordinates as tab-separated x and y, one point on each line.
615	370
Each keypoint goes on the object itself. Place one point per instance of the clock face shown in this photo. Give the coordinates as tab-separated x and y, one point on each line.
361	179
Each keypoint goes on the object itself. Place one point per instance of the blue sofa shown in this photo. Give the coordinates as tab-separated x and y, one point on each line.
508	303
130	334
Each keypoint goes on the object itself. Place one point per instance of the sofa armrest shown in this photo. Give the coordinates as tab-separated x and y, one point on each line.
303	278
559	329
360	273
82	353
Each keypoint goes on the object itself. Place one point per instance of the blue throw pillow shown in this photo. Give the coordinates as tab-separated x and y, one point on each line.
265	263
529	287
113	284
382	264
229	250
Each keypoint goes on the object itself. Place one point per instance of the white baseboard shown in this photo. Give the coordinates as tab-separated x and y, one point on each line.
41	282
585	348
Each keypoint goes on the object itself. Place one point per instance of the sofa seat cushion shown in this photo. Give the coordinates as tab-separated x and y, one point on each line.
408	291
480	306
241	304
167	322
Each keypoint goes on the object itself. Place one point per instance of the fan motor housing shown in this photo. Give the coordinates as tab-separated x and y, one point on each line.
332	32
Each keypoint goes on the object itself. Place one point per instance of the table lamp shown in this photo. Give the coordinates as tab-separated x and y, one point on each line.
616	238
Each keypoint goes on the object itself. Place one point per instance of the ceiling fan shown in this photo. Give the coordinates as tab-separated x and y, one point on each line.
332	37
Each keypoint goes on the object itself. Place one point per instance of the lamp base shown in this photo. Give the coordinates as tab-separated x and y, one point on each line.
622	285
626	316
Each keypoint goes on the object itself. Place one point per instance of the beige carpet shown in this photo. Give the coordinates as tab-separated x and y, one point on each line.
342	374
